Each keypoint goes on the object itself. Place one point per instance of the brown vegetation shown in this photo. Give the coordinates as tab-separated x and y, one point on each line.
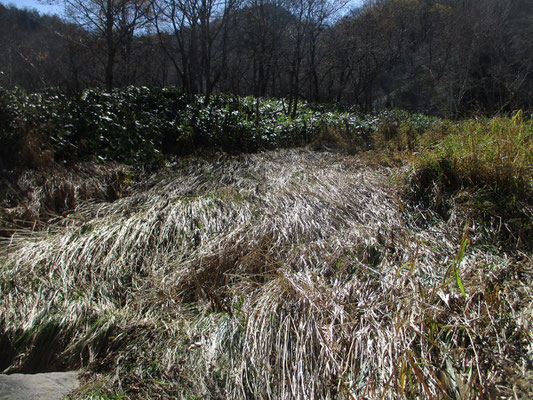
30	198
287	274
446	57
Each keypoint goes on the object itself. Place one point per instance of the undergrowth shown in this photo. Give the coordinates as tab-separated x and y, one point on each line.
483	166
287	274
143	126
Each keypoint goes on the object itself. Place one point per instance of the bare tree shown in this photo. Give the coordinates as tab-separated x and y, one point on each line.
259	35
194	35
112	23
310	19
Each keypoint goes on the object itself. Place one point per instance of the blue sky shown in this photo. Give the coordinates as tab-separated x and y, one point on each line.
42	8
48	9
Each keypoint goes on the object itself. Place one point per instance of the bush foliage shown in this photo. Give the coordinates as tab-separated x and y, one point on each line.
139	125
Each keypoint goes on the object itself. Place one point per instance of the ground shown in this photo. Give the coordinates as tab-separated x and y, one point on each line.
284	274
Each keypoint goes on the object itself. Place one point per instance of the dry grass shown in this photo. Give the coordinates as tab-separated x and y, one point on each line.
33	197
288	274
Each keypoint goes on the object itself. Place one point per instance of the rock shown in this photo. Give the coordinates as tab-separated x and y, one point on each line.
45	386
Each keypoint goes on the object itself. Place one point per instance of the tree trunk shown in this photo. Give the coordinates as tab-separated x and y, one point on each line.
110	46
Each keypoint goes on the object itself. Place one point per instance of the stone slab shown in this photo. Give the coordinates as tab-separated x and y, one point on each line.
44	386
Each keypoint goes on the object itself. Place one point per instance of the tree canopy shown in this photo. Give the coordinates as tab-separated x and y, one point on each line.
447	57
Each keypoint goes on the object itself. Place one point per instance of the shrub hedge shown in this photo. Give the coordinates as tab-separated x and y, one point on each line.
139	125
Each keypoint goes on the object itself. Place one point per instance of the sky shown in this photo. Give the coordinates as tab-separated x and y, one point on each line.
34	4
48	9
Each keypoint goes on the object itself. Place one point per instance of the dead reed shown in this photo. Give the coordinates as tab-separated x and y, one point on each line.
282	275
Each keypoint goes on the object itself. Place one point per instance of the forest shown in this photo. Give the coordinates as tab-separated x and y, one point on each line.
268	199
442	57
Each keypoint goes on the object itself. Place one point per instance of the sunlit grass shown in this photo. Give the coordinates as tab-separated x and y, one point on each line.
496	153
288	274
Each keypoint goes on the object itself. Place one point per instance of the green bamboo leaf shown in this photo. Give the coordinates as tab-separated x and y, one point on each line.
459	282
457	262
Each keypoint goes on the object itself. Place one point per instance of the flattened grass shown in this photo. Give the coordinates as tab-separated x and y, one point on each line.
288	274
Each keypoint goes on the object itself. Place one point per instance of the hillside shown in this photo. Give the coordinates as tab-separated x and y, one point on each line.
442	57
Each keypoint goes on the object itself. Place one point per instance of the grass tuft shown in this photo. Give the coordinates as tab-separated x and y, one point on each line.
495	153
482	167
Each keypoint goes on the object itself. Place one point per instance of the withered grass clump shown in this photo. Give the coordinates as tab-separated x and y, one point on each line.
33	197
282	275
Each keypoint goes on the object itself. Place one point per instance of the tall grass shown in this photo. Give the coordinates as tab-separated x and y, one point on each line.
484	166
287	274
496	153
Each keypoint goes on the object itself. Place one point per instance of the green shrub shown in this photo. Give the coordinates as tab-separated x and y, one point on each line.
24	129
141	126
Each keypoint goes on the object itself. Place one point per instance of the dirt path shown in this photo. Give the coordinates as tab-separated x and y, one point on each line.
45	386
